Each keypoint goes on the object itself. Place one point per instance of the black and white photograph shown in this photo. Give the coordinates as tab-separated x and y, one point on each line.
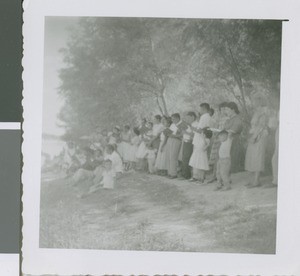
160	134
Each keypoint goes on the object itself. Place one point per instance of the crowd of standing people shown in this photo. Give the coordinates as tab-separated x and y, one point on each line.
185	147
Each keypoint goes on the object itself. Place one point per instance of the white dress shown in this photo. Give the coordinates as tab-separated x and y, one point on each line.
205	121
135	142
199	159
125	147
141	152
160	162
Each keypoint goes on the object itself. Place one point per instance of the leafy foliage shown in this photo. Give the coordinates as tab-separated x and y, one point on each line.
119	69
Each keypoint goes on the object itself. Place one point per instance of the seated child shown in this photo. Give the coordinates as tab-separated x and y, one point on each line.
107	179
108	175
151	155
224	161
114	157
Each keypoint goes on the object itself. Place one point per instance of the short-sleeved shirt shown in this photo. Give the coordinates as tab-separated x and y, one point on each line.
188	135
157	129
204	121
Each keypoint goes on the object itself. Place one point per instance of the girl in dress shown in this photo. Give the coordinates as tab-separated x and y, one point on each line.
134	145
141	153
151	155
125	146
199	159
160	162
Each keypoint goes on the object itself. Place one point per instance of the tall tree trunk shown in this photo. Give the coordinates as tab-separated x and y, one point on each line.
238	78
164	104
159	106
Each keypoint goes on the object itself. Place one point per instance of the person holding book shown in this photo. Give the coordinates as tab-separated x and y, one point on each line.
187	144
161	162
173	145
219	123
198	143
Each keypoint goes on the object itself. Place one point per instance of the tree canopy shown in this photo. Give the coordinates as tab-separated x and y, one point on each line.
118	70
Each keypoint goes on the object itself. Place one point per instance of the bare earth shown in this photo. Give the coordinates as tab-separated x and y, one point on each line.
148	212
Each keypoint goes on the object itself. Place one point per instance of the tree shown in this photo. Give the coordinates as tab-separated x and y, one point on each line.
239	54
117	68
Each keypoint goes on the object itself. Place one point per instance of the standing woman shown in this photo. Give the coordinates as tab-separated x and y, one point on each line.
274	125
221	119
256	149
160	162
157	129
124	148
173	145
234	126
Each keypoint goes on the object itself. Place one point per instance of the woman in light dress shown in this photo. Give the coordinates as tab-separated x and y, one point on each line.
256	149
134	145
199	158
125	146
141	152
203	123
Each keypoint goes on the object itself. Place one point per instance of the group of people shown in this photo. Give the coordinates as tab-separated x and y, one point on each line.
187	147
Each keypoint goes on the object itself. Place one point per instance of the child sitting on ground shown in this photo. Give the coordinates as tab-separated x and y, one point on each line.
107	180
150	155
109	175
224	162
114	157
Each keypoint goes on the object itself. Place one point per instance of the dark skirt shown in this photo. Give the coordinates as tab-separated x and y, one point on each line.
237	155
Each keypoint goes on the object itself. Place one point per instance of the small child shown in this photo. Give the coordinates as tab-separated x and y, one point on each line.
106	180
151	155
108	175
199	158
224	161
114	157
135	142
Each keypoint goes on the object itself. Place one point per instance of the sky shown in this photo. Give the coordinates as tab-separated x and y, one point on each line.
57	31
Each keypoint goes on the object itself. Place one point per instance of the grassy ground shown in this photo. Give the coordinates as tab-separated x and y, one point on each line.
147	212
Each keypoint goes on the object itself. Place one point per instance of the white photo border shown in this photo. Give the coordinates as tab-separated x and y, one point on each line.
38	261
